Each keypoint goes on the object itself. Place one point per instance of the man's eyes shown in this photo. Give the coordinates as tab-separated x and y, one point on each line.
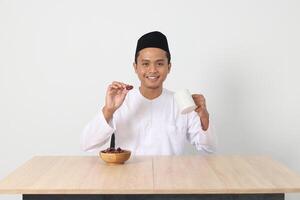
158	64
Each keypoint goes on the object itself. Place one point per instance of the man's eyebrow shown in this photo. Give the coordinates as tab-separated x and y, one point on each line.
159	60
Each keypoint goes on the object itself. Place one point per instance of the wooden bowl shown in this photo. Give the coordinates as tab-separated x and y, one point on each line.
115	158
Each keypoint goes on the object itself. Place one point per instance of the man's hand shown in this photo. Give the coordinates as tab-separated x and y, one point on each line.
115	96
201	110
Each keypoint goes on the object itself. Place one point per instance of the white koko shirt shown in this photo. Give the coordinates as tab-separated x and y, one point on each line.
148	127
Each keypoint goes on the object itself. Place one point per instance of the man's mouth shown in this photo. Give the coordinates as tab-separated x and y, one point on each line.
152	78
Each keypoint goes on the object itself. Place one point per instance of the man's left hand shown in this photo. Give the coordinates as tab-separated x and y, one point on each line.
201	110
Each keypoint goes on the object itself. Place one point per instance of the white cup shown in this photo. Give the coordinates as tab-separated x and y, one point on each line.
185	101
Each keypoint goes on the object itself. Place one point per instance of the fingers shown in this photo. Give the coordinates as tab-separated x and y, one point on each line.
199	98
198	109
201	106
119	87
199	101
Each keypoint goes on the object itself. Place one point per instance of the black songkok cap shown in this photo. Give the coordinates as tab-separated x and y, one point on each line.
153	39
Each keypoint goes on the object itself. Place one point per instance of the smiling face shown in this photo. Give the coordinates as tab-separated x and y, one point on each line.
152	68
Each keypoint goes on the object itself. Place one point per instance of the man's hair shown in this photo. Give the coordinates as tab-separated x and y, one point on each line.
138	53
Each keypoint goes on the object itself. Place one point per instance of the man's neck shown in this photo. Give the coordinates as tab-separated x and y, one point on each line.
150	93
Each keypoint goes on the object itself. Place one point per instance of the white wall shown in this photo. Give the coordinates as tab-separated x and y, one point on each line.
57	57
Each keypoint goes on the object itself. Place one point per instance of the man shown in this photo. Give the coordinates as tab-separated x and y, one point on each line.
146	120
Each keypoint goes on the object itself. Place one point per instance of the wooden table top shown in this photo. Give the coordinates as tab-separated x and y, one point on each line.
213	174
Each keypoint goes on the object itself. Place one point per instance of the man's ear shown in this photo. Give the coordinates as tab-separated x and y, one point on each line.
169	67
135	67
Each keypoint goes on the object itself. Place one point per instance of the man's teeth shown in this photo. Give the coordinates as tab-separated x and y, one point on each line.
152	77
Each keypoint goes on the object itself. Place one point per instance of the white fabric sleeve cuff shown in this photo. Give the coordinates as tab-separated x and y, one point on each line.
96	133
205	141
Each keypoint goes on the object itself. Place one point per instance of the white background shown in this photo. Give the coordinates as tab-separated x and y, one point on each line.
57	58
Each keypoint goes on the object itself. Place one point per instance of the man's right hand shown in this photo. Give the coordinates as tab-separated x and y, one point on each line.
115	95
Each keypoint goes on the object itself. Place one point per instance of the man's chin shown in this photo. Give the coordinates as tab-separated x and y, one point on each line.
153	87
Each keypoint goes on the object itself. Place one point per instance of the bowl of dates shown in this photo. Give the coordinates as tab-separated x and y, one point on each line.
114	156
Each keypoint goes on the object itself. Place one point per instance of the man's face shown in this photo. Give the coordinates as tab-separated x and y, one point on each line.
152	67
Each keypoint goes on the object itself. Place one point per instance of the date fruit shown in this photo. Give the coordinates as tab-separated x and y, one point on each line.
113	150
129	87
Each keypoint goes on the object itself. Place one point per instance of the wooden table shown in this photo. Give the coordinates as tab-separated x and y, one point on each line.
147	177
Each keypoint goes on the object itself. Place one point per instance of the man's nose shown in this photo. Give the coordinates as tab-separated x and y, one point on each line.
152	68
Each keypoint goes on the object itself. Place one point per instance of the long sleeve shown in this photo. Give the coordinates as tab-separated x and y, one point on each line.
96	133
205	141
